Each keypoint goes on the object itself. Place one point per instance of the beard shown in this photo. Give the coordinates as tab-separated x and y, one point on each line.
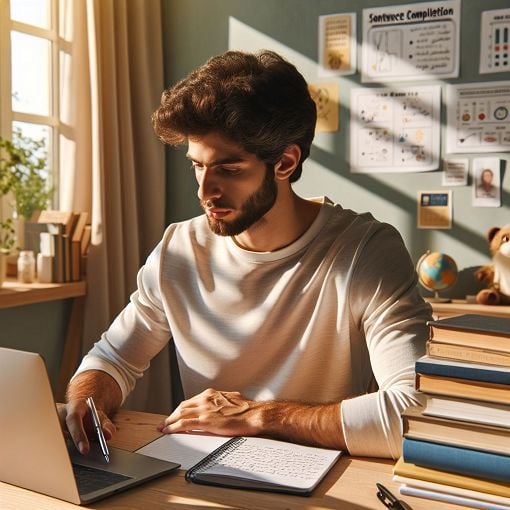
252	210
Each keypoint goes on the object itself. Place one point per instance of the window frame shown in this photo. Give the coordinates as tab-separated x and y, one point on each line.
7	115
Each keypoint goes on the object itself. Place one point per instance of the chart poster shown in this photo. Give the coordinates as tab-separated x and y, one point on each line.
395	129
435	209
486	182
478	117
495	41
337	44
418	41
455	172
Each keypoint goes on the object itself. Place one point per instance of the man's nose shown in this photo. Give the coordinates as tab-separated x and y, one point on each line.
208	185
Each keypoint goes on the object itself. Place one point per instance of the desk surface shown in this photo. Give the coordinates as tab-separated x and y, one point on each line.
350	485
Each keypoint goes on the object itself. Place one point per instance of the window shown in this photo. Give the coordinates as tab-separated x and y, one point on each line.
29	74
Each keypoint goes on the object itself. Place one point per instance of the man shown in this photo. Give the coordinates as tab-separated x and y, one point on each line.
486	187
291	317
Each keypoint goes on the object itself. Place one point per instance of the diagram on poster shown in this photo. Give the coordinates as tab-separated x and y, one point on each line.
395	130
411	42
495	41
478	117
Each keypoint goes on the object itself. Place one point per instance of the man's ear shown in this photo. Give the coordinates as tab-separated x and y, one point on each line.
288	162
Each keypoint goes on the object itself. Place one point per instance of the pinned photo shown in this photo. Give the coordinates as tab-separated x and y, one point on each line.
486	182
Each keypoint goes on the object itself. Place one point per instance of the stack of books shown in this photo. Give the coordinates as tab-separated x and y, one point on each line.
64	238
457	447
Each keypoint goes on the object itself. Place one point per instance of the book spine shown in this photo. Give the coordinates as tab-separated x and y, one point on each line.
455	352
464	461
472	373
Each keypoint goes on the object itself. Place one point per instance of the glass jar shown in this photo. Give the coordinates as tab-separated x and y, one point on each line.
26	266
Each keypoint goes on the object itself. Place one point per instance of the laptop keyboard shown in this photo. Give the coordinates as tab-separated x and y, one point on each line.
91	479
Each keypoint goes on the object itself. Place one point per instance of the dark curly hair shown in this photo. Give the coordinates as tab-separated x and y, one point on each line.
259	101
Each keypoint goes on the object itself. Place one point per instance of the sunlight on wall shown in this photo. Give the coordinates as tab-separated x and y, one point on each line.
390	197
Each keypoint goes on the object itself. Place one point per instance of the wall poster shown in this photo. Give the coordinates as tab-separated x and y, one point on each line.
434	209
337	44
395	129
495	41
417	41
478	117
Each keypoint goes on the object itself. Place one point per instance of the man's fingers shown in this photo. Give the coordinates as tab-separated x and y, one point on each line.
75	414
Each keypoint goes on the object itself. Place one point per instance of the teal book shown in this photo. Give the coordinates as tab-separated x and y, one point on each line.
464	461
463	370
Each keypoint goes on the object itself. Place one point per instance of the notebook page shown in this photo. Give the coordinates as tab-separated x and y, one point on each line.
275	462
186	449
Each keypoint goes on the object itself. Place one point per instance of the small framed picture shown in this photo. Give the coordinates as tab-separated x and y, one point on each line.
486	182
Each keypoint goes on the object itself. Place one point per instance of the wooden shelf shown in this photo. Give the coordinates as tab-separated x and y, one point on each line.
14	293
461	306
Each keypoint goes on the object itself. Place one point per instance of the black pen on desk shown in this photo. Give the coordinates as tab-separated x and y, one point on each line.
99	430
388	499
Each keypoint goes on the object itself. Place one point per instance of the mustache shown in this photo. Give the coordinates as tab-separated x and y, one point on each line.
209	204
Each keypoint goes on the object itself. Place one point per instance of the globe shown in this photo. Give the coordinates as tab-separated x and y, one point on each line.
436	272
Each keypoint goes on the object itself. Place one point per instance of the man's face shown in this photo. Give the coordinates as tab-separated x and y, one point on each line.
236	189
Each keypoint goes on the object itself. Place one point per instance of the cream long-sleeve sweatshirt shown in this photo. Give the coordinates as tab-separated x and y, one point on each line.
333	317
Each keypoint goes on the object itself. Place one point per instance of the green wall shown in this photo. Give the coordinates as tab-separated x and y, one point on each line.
194	30
38	328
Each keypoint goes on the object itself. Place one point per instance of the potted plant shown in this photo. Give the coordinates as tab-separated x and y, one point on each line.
24	177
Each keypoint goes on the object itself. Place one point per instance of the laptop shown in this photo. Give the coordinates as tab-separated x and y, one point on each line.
34	453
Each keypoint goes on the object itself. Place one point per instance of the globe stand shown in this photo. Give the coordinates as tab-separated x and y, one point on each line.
437	299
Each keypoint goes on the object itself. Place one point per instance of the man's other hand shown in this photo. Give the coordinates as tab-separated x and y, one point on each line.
225	413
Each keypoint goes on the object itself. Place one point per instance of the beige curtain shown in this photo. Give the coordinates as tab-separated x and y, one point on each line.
111	162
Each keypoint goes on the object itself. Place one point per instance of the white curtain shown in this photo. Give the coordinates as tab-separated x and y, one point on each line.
112	165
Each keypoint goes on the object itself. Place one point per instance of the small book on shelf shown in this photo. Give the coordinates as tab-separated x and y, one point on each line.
418	425
471	329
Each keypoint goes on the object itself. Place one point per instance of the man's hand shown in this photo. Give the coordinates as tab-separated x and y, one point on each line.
75	416
76	421
225	413
228	413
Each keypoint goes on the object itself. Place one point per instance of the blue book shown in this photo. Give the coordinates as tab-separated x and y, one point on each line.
465	461
463	370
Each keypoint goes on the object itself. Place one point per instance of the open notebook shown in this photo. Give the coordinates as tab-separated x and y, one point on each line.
246	462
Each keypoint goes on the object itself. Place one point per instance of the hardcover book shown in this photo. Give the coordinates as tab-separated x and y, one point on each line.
465	461
417	425
474	330
463	388
460	352
463	370
412	471
463	409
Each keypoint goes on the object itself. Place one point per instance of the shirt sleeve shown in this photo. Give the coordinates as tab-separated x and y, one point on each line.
388	310
136	335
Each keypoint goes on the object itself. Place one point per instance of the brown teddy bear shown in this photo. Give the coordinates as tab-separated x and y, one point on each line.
496	275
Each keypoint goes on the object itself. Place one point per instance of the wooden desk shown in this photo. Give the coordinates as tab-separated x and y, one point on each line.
350	485
14	293
461	306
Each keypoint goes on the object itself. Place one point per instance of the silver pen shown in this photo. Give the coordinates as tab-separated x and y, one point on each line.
99	430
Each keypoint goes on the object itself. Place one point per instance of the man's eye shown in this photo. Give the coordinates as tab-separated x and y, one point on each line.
229	171
195	167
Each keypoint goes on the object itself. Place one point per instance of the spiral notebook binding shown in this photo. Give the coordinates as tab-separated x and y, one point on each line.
214	457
